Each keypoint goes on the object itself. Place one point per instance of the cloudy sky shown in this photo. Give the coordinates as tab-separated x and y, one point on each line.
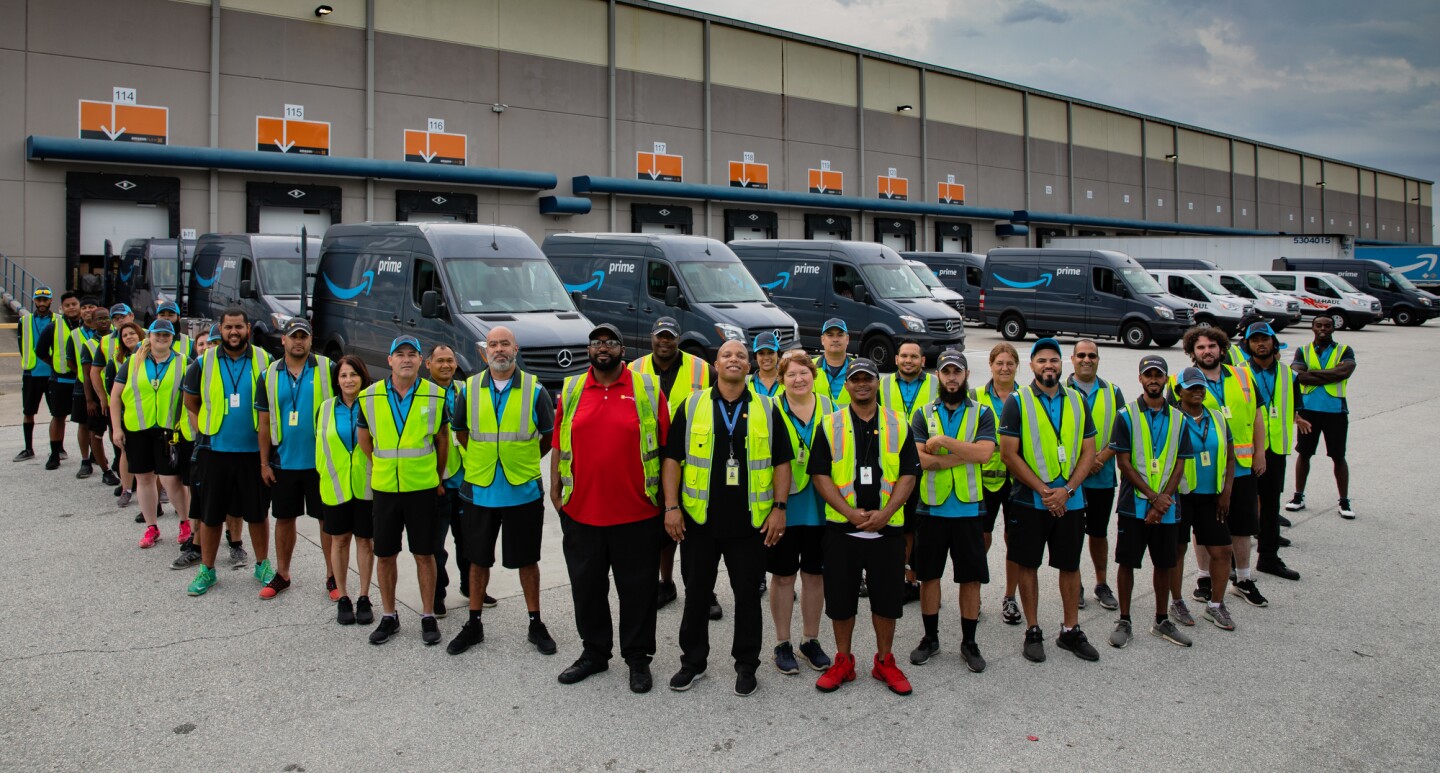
1356	81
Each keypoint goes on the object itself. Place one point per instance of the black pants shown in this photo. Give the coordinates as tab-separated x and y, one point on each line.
448	514
1270	487
744	552
632	552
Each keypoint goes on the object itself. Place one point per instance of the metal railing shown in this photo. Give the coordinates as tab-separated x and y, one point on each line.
18	285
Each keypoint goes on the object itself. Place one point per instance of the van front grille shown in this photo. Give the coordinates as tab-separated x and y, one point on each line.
552	364
785	334
946	325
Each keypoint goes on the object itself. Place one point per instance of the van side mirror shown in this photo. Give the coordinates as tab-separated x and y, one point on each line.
247	289
578	298
672	296
430	304
861	294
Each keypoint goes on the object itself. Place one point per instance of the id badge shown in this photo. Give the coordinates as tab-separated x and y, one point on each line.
235	401
732	472
1061	453
1204	458
1274	412
1225	411
1154	466
294	418
867	476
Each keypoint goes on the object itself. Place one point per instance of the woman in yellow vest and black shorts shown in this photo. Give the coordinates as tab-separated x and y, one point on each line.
345	488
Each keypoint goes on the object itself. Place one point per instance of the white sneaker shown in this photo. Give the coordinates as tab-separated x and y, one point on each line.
1346	511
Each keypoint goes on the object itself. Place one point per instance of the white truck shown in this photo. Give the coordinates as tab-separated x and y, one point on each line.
1237	253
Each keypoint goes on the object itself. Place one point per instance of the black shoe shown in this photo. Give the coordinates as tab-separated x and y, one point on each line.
973	661
1285	522
640	679
429	631
119	489
1283	542
582	669
388	627
912	592
53	463
464	590
86	470
1034	650
764	586
473	633
540	637
140	518
1276	567
745	683
1074	640
440	610
1202	590
344	611
109	478
488	601
24	455
716	612
363	614
685	678
925	650
1246	589
664	594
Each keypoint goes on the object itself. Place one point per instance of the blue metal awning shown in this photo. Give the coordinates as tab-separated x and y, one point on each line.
1060	218
141	154
668	190
564	205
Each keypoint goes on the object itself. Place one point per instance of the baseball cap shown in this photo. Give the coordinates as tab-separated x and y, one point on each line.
607	328
834	322
1154	362
42	292
1191	377
410	341
767	341
214	334
1043	344
89	300
161	326
952	357
118	310
666	325
862	365
301	325
1264	329
170	306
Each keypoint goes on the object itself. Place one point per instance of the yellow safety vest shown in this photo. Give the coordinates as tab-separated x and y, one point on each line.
1280	419
1104	411
822	382
404	457
644	387
81	339
344	474
1050	455
214	397
702	451
511	439
1192	473
1155	464
963	480
455	460
321	386
149	404
692	377
992	472
891	398
839	428
1312	361
1238	410
28	339
59	360
799	476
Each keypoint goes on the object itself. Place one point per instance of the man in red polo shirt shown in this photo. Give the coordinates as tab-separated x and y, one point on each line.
605	482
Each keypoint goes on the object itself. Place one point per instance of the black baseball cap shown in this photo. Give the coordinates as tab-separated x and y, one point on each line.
862	365
606	327
767	340
952	357
296	325
666	325
1154	362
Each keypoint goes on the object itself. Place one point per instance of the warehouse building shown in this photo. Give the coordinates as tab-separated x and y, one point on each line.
136	118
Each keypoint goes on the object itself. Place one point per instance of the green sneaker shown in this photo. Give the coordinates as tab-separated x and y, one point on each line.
204	581
264	572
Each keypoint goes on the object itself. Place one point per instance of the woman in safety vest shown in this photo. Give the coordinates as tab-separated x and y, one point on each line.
345	488
144	410
131	336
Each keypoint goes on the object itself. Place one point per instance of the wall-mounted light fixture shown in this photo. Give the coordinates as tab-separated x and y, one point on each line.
904	108
1320	184
321	11
1172	156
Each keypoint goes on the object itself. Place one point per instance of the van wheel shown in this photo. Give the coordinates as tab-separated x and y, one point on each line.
880	349
1404	316
1135	335
1012	328
1204	320
1166	343
1360	326
1338	318
334	352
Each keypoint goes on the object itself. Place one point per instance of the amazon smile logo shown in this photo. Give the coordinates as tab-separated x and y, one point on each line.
1043	281
597	282
208	281
347	293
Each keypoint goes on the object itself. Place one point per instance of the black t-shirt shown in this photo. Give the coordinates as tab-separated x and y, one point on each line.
867	454
728	508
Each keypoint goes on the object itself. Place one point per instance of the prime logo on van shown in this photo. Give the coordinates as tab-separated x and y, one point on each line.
346	293
389	266
622	268
782	279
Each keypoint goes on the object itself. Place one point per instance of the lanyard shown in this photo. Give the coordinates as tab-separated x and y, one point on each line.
909	391
804	429
837	377
764	390
1219	394
1203	424
1158	420
499	396
158	370
295	384
1267	385
952	424
1045	404
231	371
395	412
730	421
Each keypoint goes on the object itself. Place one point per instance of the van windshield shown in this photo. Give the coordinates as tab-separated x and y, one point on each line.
1140	282
1209	284
281	276
1258	283
1399	279
893	281
500	285
926	276
719	281
1340	284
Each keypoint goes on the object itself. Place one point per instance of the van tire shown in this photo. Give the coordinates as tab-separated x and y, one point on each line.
1012	328
334	352
880	348
1404	316
1338	317
1165	343
1204	320
1135	335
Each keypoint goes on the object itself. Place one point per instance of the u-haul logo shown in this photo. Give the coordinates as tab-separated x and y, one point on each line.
389	267
622	268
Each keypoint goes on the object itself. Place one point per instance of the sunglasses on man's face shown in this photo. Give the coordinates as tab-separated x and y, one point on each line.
1087	355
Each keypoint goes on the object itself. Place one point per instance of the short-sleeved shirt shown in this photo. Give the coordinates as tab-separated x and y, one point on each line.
609	475
836	377
1265	384
728	510
1131	502
78	356
47	349
1055	410
867	454
500	492
804	507
399	405
347	423
1318	399
951	421
238	433
296	396
1106	477
1205	446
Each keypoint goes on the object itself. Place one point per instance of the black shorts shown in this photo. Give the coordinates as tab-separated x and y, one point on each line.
59	396
99	423
1201	514
296	493
149	452
231	486
183	451
79	409
912	508
993	501
416	513
962	540
32	392
353	517
1134	536
1334	427
1099	505
800	549
1244	517
1029	532
880	560
522	526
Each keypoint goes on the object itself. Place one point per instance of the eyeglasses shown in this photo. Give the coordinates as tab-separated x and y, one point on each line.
613	346
1087	355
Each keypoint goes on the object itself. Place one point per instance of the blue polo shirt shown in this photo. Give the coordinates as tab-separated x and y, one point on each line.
237	434
803	508
950	421
1318	399
295	395
1131	503
1055	411
347	423
500	492
1205	446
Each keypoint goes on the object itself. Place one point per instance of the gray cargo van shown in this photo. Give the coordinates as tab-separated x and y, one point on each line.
1096	293
156	274
1177	264
1400	300
938	290
962	272
631	280
444	283
261	273
864	283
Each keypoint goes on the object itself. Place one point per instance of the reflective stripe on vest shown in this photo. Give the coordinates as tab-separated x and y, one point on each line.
511	440
839	428
214	404
993	471
1102	412
1192	472
799	476
822	383
58	359
701	452
891	397
344	474
692	377
1039	444
937	485
1312	361
404	457
644	387
146	404
320	384
78	339
28	358
1141	440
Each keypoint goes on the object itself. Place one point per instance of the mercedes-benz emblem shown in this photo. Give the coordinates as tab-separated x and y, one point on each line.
564	358
125	185
295	193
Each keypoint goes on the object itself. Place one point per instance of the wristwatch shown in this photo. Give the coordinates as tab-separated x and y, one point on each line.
779	505
1069	492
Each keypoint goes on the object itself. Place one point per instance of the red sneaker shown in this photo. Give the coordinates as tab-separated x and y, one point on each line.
332	588
842	670
886	671
152	535
274	588
185	535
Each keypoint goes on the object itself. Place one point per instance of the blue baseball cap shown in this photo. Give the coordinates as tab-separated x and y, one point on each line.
1191	377
119	310
1264	329
214	334
1043	344
766	341
161	326
410	341
834	322
168	305
42	292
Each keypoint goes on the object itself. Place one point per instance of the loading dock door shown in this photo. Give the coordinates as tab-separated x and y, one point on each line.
895	241
898	235
828	236
952	237
118	221
827	228
285	220
661	228
745	234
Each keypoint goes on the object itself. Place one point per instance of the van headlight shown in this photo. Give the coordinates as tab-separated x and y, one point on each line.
278	319
913	324
1424	301
1165	312
729	332
1228	306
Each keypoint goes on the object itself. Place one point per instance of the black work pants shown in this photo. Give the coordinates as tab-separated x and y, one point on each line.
448	517
632	552
1270	487
743	549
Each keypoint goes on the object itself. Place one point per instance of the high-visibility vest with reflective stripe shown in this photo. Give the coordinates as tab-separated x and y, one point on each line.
1103	412
511	439
1280	417
1312	361
148	405
455	460
182	417
1236	357
702	454
1192	472
693	376
28	358
752	383
964	480
799	476
1039	443
110	344
59	360
891	397
993	472
1142	441
404	457
80	342
1242	401
839	428
320	385
822	382
344	474
644	387
214	403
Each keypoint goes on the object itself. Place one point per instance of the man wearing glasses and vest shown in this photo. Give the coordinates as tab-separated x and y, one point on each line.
1105	402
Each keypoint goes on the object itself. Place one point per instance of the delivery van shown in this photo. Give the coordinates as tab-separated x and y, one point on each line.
938	289
260	273
1320	293
1400	300
962	272
156	274
1213	304
1280	309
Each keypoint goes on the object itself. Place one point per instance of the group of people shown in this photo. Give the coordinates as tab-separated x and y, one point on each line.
860	485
